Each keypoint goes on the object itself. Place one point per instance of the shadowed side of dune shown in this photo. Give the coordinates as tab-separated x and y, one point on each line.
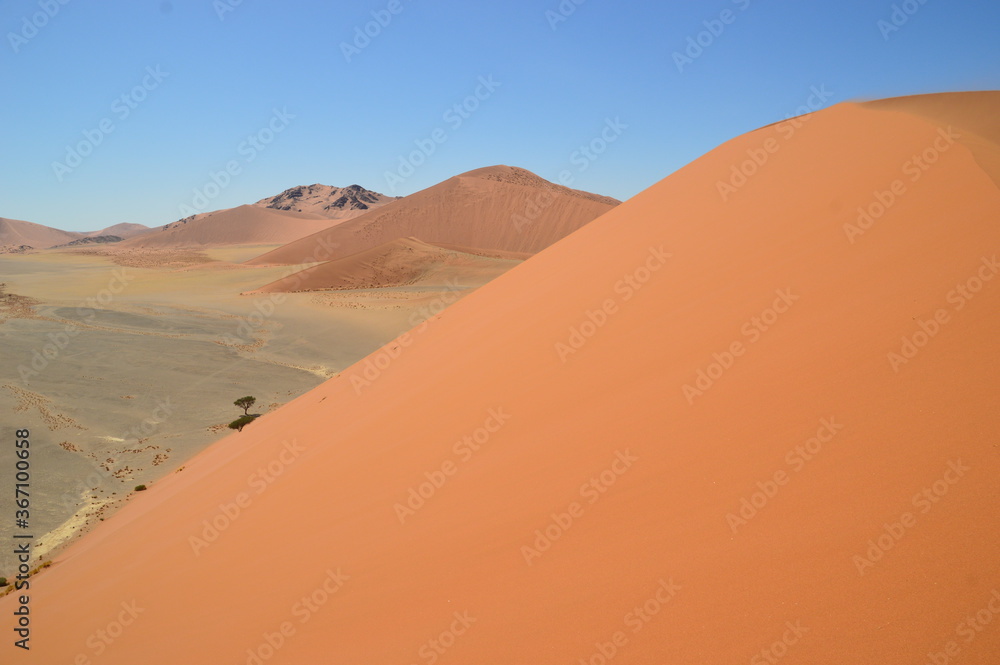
401	262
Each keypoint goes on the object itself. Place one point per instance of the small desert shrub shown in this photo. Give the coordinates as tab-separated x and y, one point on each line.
140	488
241	422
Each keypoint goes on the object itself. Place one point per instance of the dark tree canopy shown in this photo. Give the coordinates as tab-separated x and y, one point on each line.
245	403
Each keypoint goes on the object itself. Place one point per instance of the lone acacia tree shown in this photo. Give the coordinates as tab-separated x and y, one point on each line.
245	403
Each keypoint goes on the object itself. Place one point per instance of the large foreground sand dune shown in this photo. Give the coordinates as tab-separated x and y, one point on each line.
697	430
976	118
244	225
496	208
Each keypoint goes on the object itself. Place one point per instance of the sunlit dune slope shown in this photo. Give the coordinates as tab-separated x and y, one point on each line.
715	422
975	118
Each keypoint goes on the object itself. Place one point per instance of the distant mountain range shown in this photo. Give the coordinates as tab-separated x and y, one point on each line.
312	202
292	214
331	202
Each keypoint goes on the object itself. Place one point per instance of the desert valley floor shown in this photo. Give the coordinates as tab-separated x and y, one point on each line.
132	369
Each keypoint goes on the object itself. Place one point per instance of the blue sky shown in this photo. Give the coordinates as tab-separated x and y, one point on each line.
267	89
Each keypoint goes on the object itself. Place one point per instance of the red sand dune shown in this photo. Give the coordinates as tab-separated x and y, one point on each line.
124	230
497	208
245	225
14	232
976	117
807	433
397	263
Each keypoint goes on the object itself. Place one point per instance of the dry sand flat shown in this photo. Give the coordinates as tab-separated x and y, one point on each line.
122	372
98	365
493	498
494	208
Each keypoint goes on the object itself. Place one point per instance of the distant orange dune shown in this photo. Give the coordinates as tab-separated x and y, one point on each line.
14	232
397	263
245	225
748	416
494	208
